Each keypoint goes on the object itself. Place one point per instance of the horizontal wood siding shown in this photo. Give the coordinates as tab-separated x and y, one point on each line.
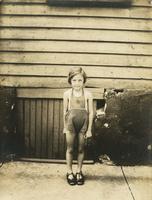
38	9
76	22
78	35
40	43
75	46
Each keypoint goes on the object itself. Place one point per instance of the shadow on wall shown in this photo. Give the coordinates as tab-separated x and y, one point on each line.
8	138
125	133
90	3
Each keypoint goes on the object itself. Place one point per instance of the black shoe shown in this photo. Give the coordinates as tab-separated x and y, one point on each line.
80	178
71	181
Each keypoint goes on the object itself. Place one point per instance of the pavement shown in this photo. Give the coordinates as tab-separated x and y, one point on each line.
46	181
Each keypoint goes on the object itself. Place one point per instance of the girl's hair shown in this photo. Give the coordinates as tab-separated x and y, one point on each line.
74	71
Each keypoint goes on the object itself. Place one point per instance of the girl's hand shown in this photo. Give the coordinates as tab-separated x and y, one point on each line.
88	134
65	130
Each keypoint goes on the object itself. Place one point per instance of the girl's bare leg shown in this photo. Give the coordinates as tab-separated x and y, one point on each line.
80	151
69	152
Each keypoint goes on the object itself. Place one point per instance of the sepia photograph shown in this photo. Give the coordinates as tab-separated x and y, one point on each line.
75	99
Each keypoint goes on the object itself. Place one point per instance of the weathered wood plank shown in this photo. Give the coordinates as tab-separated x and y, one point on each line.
27	127
52	93
46	82
50	129
20	124
76	22
78	47
36	9
56	129
135	2
141	3
62	71
76	35
44	128
61	135
75	59
32	127
121	83
38	127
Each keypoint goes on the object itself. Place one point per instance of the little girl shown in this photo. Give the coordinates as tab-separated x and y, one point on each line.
78	117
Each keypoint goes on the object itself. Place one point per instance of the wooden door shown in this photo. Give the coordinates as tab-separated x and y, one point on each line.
40	123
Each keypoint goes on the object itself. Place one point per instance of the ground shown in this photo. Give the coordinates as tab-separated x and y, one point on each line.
45	181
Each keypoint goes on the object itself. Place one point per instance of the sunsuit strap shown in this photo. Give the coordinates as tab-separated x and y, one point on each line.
85	99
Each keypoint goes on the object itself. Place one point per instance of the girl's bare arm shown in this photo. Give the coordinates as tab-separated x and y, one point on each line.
90	106
65	108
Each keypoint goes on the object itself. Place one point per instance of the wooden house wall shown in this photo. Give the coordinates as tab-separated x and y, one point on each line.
40	43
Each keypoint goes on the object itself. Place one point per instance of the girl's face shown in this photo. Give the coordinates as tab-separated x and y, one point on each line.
77	82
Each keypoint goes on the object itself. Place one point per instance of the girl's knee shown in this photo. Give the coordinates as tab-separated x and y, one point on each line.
80	150
70	150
